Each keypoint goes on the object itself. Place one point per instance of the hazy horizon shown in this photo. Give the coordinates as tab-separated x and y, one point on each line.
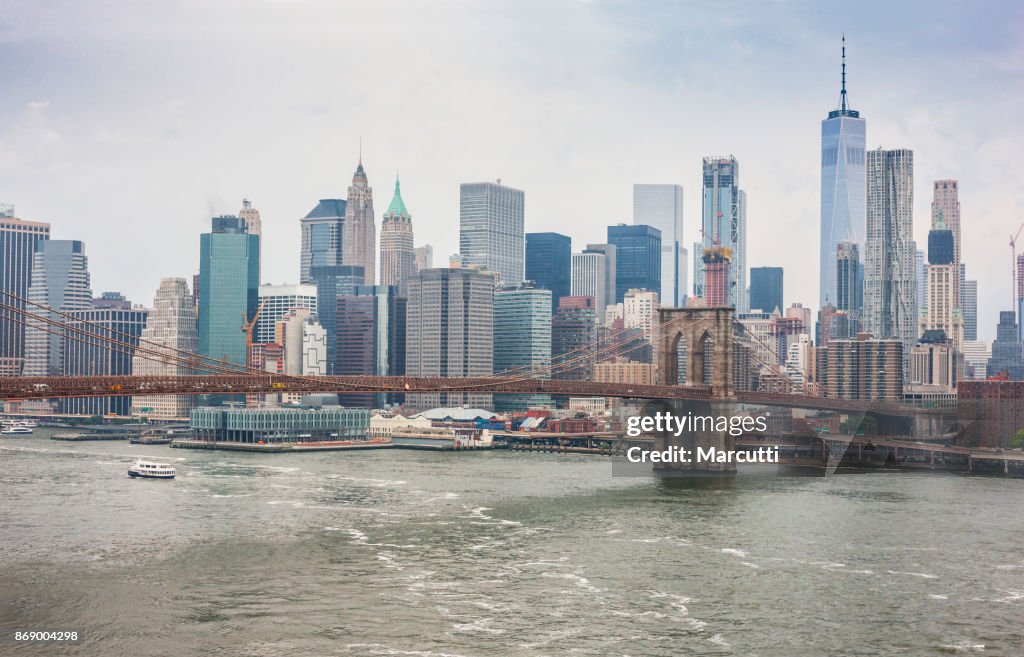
128	127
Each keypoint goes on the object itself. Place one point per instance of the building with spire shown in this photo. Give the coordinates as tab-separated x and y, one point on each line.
359	232
397	253
843	185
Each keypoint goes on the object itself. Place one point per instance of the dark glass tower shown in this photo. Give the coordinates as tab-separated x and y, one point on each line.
766	289
549	264
637	258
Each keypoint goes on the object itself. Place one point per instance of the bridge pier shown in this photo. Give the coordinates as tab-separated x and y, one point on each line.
694	442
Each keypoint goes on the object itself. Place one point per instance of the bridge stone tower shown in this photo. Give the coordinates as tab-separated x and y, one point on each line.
697	327
707	332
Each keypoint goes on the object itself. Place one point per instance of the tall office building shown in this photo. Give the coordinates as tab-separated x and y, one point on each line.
637	258
661	206
87	352
491	229
946	215
942	304
251	217
1007	351
590	278
610	281
574	339
522	339
322	237
976	355
389	320
397	254
275	301
450	332
969	306
171	328
549	263
331	282
766	289
229	271
424	256
849	283
359	232
921	274
18	241
60	280
890	280
843	196
724	224
639	308
356	344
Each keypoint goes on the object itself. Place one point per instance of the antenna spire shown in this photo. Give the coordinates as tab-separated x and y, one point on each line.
842	93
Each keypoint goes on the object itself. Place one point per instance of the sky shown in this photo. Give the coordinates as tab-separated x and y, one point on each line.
128	125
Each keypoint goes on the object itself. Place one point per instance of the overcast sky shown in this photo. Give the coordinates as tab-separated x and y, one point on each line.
127	124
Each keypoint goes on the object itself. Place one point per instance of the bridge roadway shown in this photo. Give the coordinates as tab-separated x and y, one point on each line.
18	388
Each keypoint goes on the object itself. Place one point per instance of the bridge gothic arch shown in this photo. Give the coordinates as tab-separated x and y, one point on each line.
707	334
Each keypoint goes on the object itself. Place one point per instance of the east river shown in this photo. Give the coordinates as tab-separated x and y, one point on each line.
496	553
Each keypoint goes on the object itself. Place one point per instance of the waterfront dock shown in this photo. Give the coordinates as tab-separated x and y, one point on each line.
333	446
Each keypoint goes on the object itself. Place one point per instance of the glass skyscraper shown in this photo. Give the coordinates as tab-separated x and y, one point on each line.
17	251
724	224
491	233
322	237
637	258
661	206
766	289
549	263
333	281
60	280
85	355
229	271
842	186
522	340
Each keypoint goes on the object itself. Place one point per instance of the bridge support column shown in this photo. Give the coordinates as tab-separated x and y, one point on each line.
703	439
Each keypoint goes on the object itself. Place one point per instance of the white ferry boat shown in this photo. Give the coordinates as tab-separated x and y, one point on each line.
151	470
16	429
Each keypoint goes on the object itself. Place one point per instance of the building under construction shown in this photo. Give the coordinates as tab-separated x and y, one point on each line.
716	275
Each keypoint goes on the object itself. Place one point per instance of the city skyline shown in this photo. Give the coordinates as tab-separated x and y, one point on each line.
68	166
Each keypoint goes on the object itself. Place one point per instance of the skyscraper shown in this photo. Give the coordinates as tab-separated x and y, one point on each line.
842	185
969	306
522	339
946	215
766	289
1007	350
491	233
849	283
549	263
331	282
612	262
359	232
87	352
450	332
574	339
890	280
18	241
229	270
661	206
590	278
171	328
275	301
921	274
637	258
942	304
356	343
397	254
724	224
60	280
322	237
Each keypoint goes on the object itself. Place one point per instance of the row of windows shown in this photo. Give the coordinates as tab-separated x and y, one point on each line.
830	156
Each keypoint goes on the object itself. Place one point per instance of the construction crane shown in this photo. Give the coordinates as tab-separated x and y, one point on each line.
249	325
1013	272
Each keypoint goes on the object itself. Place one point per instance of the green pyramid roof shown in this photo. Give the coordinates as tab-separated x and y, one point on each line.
397	206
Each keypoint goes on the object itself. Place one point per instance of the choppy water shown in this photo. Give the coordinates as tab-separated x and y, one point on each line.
410	553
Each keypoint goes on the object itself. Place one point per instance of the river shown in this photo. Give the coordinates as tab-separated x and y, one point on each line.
495	553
